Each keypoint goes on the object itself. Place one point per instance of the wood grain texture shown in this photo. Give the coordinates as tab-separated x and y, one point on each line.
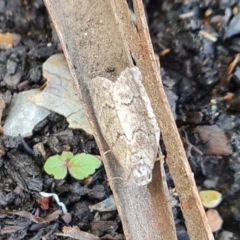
140	46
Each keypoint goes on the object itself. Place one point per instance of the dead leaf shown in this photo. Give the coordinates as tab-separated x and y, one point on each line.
50	217
76	233
30	216
67	217
60	94
10	229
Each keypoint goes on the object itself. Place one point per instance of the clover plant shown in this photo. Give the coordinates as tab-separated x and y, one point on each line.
79	166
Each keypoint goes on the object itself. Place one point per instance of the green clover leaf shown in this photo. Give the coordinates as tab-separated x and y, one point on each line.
82	165
56	166
66	156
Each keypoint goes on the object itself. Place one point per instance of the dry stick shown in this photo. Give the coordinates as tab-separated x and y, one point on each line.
227	76
89	33
140	46
2	107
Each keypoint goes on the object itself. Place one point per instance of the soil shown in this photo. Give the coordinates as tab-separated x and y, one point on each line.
202	89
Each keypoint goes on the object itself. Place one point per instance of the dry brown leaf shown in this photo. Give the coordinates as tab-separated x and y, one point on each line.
51	217
67	217
60	94
30	216
10	229
76	233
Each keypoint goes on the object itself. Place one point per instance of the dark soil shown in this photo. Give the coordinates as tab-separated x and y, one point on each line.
195	75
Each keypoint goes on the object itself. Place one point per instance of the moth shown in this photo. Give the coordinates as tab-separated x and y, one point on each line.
127	122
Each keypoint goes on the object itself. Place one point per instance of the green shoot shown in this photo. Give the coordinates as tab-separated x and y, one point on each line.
80	166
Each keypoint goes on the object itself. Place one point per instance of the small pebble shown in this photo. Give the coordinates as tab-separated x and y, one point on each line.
209	183
233	27
226	235
104	206
12	81
182	235
214	219
210	198
208	12
11	66
35	74
8	40
215	139
235	10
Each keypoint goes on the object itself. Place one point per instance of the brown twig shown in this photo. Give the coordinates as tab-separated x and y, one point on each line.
227	76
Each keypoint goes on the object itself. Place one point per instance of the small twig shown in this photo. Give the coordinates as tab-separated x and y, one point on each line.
2	107
226	77
190	146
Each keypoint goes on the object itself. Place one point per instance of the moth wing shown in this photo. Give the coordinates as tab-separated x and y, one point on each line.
135	114
101	90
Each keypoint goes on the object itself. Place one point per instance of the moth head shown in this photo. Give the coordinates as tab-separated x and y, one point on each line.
141	173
